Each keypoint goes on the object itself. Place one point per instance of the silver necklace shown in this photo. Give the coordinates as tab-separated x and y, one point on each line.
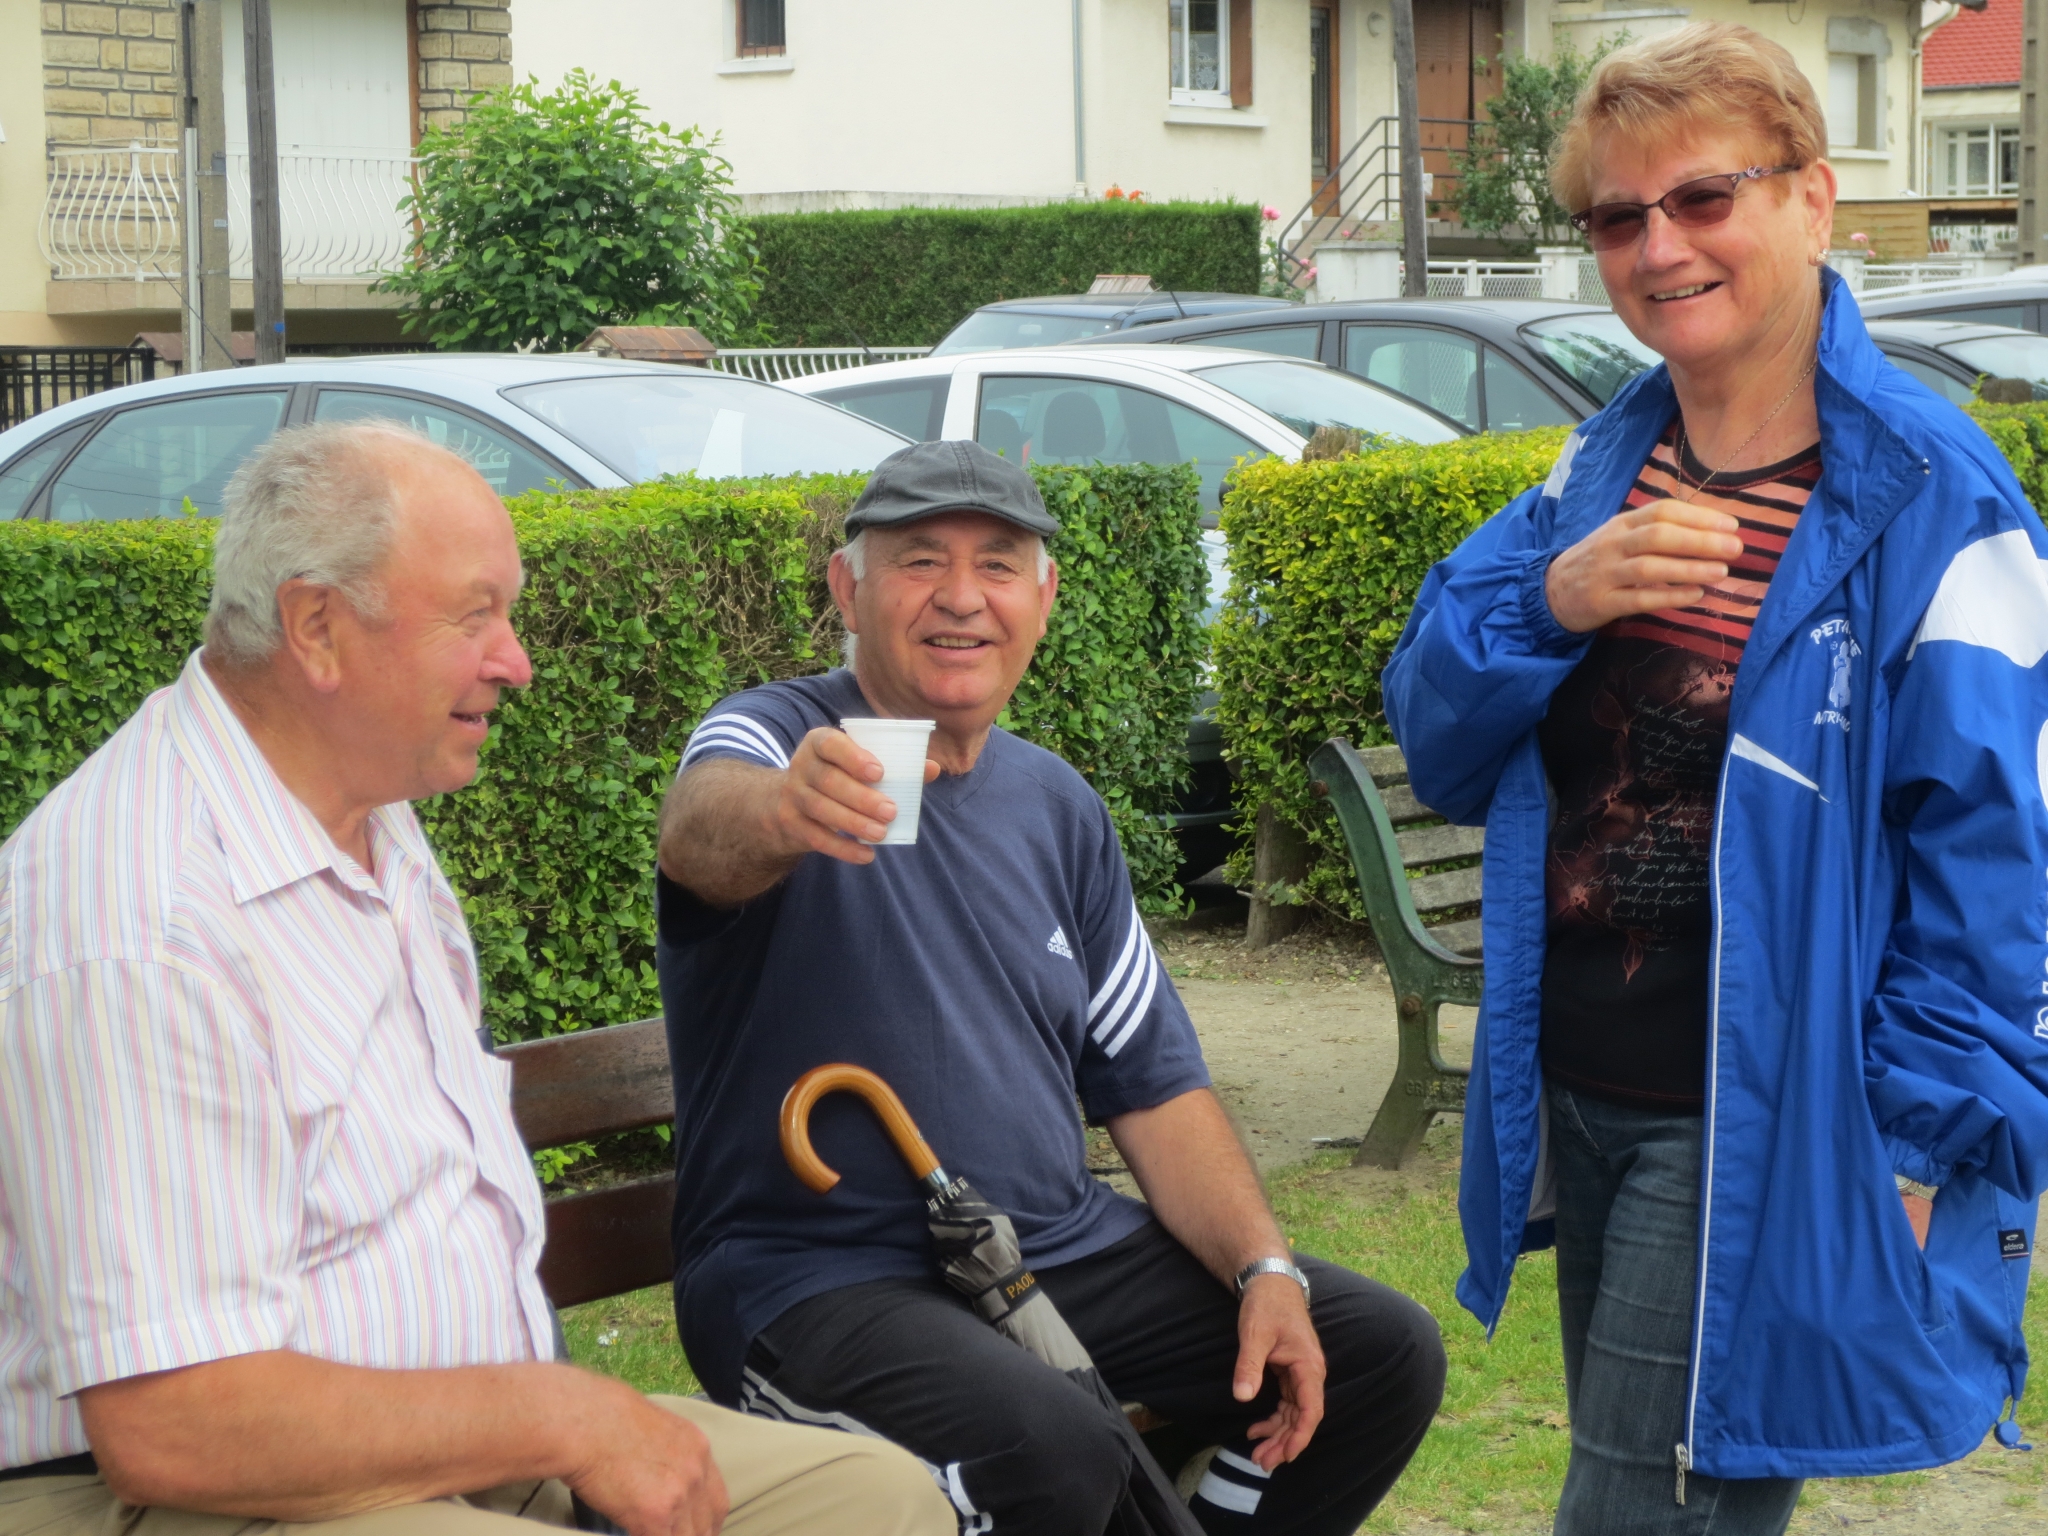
1688	492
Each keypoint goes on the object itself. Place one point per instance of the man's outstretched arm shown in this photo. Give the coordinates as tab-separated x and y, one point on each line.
731	829
1205	1191
283	1436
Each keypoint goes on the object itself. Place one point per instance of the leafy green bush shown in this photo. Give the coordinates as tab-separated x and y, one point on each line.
546	214
1503	174
644	607
1326	559
904	277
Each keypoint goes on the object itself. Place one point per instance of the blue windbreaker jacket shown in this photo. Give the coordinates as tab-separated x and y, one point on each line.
1879	992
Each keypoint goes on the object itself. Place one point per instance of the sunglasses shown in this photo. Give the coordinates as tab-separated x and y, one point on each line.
1696	205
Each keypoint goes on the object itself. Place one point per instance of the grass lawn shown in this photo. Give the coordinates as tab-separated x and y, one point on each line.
1496	1457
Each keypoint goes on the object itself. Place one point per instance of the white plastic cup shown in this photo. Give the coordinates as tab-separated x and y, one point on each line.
900	744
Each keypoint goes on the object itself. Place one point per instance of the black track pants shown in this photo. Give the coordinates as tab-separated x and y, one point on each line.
1022	1451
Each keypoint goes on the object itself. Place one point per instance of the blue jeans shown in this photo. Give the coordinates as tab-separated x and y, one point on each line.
1628	1205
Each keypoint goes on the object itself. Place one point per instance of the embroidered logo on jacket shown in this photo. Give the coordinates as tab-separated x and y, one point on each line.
2012	1243
1842	650
1058	944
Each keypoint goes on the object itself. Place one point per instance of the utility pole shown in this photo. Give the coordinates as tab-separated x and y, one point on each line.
1414	206
266	234
207	139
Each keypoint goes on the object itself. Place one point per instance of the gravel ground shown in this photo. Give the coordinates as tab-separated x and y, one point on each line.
1301	1044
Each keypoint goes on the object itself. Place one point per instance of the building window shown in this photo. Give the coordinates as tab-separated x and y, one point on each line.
1858	49
1209	52
1977	159
760	28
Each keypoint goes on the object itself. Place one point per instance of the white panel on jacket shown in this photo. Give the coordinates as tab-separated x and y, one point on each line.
1995	595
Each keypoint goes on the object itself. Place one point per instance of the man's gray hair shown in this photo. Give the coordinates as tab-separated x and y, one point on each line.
314	503
856	551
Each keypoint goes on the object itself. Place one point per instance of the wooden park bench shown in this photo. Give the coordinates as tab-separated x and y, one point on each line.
1390	833
579	1087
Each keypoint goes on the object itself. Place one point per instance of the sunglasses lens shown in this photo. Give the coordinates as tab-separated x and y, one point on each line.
1701	203
1613	224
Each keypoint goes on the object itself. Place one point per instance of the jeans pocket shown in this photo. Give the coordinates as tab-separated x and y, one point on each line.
1565	1116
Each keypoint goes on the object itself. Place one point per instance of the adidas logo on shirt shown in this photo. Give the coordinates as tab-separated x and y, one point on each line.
1057	944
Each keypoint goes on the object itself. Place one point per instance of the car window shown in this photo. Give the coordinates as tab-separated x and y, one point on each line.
1081	421
2014	315
1282	340
1949	388
1006	328
1513	401
1596	351
693	421
149	461
507	466
1305	396
18	481
914	407
1436	367
2005	357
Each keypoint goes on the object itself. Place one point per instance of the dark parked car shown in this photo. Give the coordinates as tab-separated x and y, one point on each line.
2020	300
1044	322
1950	356
1491	365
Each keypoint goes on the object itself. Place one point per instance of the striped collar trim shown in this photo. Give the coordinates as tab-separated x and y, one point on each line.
271	839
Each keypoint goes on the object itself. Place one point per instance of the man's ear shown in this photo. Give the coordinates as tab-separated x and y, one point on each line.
307	612
1048	589
839	577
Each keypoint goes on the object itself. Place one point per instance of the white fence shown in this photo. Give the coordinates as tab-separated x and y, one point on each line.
772	364
118	213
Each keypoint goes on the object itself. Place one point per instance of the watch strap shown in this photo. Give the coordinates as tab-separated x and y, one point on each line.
1272	1266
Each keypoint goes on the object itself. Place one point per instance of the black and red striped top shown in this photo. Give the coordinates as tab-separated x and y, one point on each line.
1633	744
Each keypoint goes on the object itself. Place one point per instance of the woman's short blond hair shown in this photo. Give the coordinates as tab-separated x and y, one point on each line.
1699	78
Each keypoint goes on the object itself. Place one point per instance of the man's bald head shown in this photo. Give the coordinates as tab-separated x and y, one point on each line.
317	503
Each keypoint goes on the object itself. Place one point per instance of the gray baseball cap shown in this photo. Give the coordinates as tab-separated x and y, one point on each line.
926	479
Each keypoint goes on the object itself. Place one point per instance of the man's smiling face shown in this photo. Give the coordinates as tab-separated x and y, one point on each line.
947	614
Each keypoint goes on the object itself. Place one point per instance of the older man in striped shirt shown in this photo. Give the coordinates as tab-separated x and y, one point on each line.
268	1235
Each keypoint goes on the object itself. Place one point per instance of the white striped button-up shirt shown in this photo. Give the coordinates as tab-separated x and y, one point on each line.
242	1102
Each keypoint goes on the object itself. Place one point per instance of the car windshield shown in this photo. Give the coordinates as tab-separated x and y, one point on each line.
1305	396
1595	351
648	425
2007	357
990	329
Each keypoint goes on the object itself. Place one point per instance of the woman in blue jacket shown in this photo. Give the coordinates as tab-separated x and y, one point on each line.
1750	699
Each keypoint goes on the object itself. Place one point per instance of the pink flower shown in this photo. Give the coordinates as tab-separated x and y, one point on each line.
1859	238
1310	274
1269	212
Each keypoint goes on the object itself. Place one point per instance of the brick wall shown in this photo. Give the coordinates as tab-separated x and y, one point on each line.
464	47
111	73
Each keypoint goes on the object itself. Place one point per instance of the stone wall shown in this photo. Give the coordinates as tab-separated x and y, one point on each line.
111	73
465	47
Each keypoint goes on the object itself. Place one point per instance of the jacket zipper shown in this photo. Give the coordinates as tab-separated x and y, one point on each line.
1699	1317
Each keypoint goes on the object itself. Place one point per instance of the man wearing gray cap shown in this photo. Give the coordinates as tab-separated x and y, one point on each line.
993	972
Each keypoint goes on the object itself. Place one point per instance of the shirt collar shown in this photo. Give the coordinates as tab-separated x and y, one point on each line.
272	840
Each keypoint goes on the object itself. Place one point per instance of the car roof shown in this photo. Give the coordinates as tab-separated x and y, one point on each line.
1163	298
1935	333
1048	360
1998	290
1493	315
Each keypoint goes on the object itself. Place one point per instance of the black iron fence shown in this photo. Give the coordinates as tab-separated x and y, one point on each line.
33	379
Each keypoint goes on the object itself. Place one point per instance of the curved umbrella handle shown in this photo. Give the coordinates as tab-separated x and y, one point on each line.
805	1163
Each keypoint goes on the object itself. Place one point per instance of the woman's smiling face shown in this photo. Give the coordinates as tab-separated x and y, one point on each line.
1714	298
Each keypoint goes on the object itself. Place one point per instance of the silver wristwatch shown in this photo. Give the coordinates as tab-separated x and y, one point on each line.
1915	1187
1271	1266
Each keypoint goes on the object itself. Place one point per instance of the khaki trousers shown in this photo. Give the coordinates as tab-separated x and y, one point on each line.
783	1480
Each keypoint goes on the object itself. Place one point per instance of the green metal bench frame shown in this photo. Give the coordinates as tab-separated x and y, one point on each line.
1425	973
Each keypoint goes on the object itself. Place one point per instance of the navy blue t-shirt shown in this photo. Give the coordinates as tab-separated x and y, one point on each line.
990	974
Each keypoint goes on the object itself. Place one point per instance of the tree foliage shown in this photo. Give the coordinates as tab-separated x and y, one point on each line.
1503	189
546	214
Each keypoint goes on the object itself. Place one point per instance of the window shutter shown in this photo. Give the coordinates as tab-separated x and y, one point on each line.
1240	53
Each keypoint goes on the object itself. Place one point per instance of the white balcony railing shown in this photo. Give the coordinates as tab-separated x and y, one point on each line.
116	213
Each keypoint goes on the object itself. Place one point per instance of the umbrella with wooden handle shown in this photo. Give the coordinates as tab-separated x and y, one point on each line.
980	1257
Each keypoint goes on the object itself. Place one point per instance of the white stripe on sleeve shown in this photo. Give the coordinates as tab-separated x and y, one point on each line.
736	733
1116	973
1143	1008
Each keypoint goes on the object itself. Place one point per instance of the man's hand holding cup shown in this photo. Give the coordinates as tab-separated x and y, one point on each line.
831	802
1644	560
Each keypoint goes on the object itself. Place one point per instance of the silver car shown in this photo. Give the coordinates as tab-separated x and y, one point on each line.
525	422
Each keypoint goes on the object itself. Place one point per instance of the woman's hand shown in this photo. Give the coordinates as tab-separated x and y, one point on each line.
1642	561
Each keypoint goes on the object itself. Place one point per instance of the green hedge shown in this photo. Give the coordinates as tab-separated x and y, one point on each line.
643	608
904	277
1326	559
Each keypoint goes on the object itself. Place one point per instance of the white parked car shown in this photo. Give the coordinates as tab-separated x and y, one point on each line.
1208	406
526	422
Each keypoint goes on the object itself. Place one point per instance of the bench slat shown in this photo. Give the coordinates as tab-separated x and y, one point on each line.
595	1082
1386	765
1458	938
1440	845
1453	888
1403	807
609	1241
